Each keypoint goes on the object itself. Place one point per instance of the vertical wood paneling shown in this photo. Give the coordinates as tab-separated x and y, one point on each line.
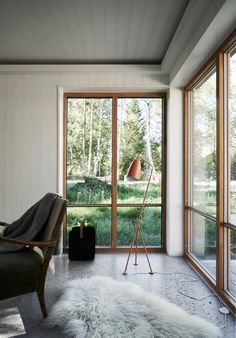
30	141
3	145
175	229
79	31
64	166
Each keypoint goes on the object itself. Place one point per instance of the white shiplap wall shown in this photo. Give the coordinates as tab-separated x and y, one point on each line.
29	119
3	146
30	112
29	130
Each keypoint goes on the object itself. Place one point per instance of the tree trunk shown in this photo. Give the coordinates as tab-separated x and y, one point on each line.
148	138
84	133
119	131
90	140
97	157
71	159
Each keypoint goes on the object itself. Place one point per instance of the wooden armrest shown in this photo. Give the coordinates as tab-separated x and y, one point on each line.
3	223
30	243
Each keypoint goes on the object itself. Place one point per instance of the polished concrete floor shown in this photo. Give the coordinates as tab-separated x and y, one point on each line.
174	280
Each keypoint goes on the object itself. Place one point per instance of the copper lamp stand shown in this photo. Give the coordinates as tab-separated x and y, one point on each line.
134	173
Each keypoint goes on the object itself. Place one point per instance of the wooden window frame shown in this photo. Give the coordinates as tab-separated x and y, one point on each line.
218	59
113	205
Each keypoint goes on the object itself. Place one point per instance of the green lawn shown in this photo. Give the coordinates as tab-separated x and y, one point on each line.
100	218
95	191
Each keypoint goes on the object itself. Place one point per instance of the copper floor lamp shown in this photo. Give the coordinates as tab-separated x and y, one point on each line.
134	173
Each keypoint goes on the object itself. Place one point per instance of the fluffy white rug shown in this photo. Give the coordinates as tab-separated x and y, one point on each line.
102	307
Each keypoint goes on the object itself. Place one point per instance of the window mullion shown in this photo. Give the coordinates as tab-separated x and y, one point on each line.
114	171
220	172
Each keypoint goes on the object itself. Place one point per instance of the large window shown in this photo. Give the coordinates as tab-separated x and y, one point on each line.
210	171
202	170
103	135
231	137
230	186
203	143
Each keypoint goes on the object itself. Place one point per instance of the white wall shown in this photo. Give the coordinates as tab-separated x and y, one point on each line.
29	154
3	98
175	191
29	123
30	113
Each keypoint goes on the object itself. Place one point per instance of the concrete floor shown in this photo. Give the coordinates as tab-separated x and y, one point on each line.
21	316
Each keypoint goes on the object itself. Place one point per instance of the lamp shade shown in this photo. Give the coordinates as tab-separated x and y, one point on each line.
134	171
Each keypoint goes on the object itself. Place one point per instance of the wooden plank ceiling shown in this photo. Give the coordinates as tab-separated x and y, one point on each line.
87	31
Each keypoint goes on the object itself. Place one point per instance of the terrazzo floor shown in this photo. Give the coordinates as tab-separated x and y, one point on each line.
21	316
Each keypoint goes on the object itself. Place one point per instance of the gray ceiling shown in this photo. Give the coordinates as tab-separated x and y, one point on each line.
87	31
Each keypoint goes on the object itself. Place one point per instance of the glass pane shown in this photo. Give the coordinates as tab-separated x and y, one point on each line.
203	242
232	137
100	218
232	262
204	145
88	152
150	225
139	132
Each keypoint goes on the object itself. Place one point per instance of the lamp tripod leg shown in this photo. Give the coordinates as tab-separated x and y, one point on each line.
141	236
130	251
136	249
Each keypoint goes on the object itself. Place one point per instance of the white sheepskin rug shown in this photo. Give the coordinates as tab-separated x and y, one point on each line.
102	307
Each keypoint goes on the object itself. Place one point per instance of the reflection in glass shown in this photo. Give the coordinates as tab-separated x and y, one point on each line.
232	136
150	225
100	218
139	131
203	242
204	145
88	150
232	262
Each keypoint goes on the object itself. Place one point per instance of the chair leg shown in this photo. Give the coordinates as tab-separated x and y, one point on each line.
41	299
40	290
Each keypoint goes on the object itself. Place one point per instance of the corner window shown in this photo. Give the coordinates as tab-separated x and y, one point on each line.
210	171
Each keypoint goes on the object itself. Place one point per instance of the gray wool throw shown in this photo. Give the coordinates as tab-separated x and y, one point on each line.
29	226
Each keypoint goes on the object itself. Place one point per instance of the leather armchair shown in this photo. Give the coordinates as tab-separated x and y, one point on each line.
25	271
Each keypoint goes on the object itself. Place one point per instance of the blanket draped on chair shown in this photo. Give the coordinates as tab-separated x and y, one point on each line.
29	226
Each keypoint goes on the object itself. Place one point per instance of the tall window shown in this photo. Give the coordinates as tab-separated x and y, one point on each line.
88	163
103	135
202	169
210	171
230	189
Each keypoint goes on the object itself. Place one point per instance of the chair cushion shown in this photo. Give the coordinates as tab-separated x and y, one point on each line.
19	272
